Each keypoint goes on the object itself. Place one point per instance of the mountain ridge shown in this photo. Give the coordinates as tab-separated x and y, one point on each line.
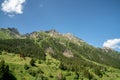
73	53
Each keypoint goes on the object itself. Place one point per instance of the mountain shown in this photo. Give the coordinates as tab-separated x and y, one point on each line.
10	33
71	56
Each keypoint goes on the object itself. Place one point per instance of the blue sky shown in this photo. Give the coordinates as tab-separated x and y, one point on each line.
94	21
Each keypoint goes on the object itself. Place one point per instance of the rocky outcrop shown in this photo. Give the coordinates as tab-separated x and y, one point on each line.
68	53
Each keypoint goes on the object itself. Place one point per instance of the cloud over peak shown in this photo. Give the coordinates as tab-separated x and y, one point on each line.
12	7
112	43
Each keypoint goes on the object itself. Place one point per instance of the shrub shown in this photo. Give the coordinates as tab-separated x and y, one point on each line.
88	75
32	72
39	62
76	75
32	62
41	77
4	72
51	76
62	66
26	67
68	74
40	71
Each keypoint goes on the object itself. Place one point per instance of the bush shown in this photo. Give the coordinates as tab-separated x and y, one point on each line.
51	76
39	62
76	75
68	74
98	72
4	72
40	71
32	62
41	77
62	66
32	72
35	72
88	75
26	67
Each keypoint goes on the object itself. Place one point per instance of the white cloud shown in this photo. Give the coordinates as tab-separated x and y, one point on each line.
112	43
12	7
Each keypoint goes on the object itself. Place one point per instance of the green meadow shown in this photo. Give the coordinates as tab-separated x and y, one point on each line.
48	69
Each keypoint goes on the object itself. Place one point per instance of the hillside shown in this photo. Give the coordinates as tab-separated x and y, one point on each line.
56	56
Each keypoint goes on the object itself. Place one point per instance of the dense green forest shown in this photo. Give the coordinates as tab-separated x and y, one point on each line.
24	47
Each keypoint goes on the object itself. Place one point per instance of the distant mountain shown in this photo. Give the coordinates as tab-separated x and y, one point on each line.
73	53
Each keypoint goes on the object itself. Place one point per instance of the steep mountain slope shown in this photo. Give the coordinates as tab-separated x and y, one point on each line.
75	47
72	53
9	33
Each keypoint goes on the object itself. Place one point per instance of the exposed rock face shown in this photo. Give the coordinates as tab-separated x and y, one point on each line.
68	53
72	38
67	36
107	49
53	33
14	31
49	50
33	35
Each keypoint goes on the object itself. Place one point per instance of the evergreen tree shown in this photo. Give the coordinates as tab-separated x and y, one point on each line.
4	72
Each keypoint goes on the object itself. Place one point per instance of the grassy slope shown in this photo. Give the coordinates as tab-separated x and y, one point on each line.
50	67
4	35
16	64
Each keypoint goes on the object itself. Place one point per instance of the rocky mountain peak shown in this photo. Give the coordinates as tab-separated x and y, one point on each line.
72	38
32	35
53	33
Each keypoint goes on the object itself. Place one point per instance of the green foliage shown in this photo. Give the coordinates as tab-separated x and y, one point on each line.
62	66
37	73
51	76
76	76
47	72
99	71
32	72
26	67
88	75
32	62
3	68
24	47
9	33
41	77
4	72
